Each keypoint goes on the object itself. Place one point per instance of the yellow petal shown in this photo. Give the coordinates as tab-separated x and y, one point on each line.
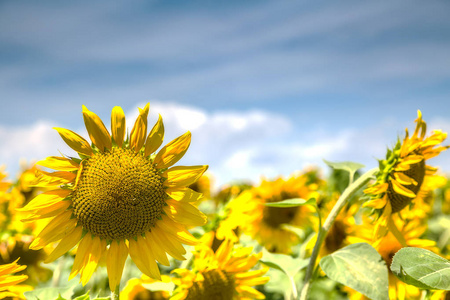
97	250
377	189
75	141
45	199
55	230
81	257
184	194
11	267
58	163
155	137
67	243
177	230
115	260
158	252
173	151
137	136
174	249
118	126
183	176
48	211
143	257
12	280
97	131
184	213
404	179
249	292
400	189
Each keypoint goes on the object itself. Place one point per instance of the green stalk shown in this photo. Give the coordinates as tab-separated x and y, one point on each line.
342	201
115	294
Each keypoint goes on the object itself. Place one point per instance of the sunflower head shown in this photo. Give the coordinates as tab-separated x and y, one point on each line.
267	224
404	170
118	197
223	275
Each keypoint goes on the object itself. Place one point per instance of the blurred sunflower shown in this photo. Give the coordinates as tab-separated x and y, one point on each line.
16	248
141	288
8	282
118	198
222	275
412	231
266	224
343	226
203	185
4	185
402	174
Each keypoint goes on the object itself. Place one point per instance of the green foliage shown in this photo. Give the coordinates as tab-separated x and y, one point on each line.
421	268
292	202
360	267
349	166
49	293
287	265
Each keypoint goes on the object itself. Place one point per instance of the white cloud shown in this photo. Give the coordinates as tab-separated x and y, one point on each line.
236	145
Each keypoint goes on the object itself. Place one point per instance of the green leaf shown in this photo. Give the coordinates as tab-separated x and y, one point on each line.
422	268
292	202
50	293
360	267
284	263
83	297
348	166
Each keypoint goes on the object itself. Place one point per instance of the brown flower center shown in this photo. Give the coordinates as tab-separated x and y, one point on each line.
335	236
398	201
120	194
217	284
275	216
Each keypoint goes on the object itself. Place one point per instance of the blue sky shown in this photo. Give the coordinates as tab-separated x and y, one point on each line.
266	87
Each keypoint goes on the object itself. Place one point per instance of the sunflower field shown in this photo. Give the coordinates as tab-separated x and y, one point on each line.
121	217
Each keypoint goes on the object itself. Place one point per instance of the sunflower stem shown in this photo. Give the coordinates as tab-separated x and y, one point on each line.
342	201
115	294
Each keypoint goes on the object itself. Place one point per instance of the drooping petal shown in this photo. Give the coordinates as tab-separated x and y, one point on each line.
118	126
173	151
155	137
143	257
97	131
75	141
183	176
177	230
404	179
400	189
93	257
67	243
115	260
82	255
175	250
160	254
139	131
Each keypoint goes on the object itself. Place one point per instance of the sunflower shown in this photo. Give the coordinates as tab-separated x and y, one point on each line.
402	173
412	231
141	288
266	224
8	282
118	198
4	185
343	226
221	275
